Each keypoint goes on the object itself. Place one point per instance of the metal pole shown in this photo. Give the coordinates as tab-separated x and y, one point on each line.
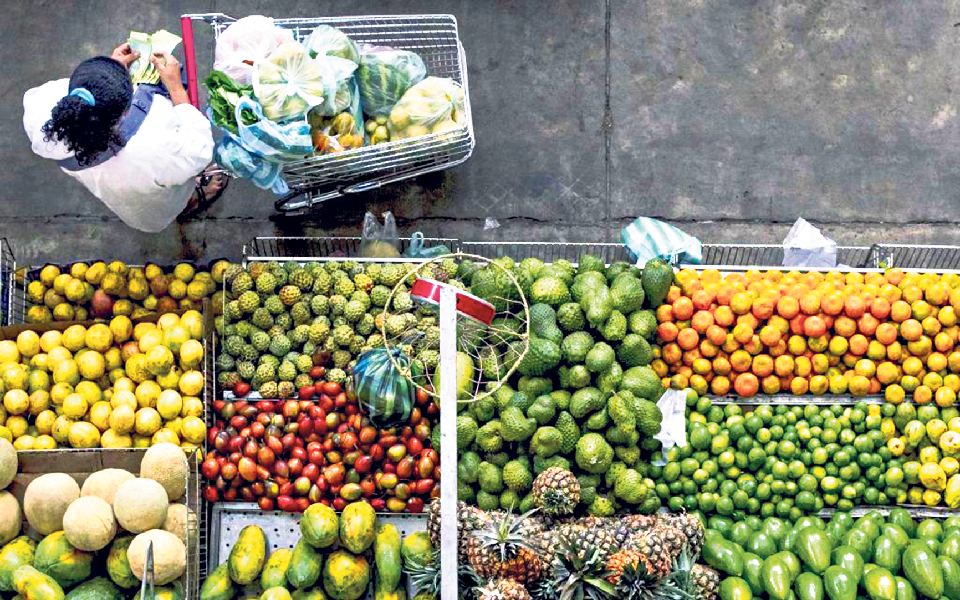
448	444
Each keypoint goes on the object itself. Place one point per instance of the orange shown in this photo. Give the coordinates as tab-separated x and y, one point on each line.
724	316
688	339
859	344
838	346
947	316
943	342
880	308
725	294
810	303
849	360
894	351
731	344
700	366
754	346
887	373
912	366
953	362
859	386
763	308
945	397
797	345
746	385
720	386
667	332
702	299
664	313
900	311
838	384
780	324
890	293
708	349
865	367
770	384
819	385
819	343
886	333
721	366
936	361
716	334
922	395
854	307
814	326
894	276
796	324
688	357
921	347
788	307
832	304
937	294
682	308
671	354
742	333
931	326
802	366
769	335
876	350
741	303
779	349
845	326
912	293
921	310
762	365
741	360
749	320
867	325
911	330
783	365
673	294
702	320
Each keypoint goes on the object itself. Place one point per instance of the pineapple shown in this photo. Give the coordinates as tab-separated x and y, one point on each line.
692	528
425	578
639	584
504	589
630	525
504	549
706	581
600	538
620	561
650	544
673	540
469	518
575	575
556	491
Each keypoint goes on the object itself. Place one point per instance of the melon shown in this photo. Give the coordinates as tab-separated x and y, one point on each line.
169	555
10	520
89	523
8	463
140	505
166	464
178	519
104	484
47	499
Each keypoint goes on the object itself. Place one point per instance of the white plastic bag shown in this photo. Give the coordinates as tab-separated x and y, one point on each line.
673	425
435	105
288	82
805	246
243	43
328	41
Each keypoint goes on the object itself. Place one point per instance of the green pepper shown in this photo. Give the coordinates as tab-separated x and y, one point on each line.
930	528
839	584
849	558
808	587
951	577
723	555
777	578
922	569
813	548
752	567
880	584
776	528
886	554
740	533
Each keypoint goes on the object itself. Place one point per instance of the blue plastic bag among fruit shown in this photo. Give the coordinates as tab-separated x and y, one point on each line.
648	238
384	393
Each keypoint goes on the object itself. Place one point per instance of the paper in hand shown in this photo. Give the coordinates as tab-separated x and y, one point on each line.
142	70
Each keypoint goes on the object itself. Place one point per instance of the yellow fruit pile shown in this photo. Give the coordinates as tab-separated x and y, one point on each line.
114	386
69	294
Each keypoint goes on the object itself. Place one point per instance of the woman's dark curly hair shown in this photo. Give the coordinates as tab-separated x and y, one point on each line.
89	130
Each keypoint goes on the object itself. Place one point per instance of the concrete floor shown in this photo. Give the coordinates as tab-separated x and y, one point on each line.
729	118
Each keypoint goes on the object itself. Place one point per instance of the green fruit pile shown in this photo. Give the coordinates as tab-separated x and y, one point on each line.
779	460
892	558
583	397
281	320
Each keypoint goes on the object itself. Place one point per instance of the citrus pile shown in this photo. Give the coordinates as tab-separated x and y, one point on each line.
817	333
118	385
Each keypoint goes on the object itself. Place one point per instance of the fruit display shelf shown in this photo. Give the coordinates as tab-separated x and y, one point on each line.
282	529
790	400
8	266
916	510
331	248
80	464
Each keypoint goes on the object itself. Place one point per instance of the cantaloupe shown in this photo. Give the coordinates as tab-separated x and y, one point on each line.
46	500
89	523
104	484
140	505
178	519
8	463
10	520
169	555
166	463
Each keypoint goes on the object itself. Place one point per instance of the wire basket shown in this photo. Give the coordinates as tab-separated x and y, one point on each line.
8	266
329	248
316	179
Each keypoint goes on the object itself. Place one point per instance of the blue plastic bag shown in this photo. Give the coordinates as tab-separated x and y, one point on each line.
648	238
230	154
418	250
384	393
286	141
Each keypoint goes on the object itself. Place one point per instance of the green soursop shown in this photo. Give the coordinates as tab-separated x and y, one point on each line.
576	346
549	290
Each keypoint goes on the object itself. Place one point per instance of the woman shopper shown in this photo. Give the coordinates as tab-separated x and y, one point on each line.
136	148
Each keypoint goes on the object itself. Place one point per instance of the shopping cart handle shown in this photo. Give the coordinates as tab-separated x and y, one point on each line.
189	54
361	187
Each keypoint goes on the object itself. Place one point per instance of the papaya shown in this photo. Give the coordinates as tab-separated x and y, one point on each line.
839	584
813	547
752	568
19	551
417	550
247	556
304	567
886	554
724	556
922	569
386	557
896	533
357	523
870	524
949	547
345	575
849	558
809	521
274	572
951	577
31	584
118	566
792	562
397	594
777	578
905	589
761	544
57	558
880	584
314	593
930	528
276	593
319	526
808	586
98	588
174	591
734	588
218	585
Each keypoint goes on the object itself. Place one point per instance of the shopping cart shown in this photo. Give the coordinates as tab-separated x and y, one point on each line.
319	178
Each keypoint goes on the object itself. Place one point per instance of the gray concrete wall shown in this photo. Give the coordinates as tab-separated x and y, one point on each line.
729	118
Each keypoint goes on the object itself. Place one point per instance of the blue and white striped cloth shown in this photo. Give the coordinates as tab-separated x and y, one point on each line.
648	238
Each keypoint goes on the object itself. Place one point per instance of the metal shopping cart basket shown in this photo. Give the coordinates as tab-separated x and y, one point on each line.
315	179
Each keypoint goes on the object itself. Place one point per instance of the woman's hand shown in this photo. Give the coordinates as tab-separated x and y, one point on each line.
169	69
124	55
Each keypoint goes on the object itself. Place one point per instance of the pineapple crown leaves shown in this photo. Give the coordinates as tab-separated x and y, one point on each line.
637	584
508	535
425	575
581	575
